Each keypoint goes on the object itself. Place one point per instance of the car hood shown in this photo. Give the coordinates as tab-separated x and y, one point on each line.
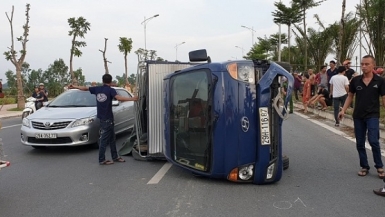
63	113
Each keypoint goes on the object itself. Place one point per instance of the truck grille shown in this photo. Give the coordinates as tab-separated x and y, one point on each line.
50	126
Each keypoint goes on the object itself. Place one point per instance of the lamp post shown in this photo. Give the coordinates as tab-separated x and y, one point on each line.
144	23
241	49
252	34
176	50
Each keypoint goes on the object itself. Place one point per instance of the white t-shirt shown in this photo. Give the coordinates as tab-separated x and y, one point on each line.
339	82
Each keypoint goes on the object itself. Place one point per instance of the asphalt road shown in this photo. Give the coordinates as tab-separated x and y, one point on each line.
321	181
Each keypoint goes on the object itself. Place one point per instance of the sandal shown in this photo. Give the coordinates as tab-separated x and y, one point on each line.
106	162
381	173
363	172
119	159
324	108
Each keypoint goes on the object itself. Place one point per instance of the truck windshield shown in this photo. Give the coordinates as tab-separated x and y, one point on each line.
189	115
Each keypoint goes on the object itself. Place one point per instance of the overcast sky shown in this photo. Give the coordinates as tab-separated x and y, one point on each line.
211	24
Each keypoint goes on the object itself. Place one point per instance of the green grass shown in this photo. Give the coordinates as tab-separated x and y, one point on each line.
7	101
15	110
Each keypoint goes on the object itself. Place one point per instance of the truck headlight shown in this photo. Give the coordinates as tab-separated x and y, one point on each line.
26	122
242	71
83	121
243	173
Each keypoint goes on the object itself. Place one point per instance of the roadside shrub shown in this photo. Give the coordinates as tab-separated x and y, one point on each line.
7	101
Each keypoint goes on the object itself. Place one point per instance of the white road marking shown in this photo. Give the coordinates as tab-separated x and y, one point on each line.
338	132
159	175
16	125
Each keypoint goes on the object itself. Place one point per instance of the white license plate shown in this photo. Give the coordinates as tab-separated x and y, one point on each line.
265	125
45	136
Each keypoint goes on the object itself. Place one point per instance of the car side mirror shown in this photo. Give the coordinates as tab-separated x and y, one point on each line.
115	102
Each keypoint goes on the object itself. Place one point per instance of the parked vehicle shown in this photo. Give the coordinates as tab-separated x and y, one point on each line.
30	107
219	120
70	120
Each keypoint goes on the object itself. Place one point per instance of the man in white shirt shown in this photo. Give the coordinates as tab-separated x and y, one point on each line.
339	87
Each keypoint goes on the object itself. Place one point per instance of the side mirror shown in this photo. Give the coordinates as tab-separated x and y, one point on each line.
115	102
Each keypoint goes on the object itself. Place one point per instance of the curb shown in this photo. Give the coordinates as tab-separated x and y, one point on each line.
6	116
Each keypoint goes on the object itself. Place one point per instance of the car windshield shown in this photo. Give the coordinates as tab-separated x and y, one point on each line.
74	98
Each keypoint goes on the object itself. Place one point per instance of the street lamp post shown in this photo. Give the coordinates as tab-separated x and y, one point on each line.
144	23
241	49
176	50
252	34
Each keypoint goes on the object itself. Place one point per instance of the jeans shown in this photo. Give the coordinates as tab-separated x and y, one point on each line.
296	90
370	125
337	103
107	137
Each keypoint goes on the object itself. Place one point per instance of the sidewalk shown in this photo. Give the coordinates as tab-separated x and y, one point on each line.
4	113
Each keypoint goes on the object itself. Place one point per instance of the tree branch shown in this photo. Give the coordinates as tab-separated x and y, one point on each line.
13	53
25	35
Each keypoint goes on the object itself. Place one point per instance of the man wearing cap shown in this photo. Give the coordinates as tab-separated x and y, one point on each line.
350	73
44	92
339	88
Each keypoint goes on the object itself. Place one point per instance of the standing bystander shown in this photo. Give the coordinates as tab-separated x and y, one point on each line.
297	84
331	72
339	88
104	96
306	93
367	88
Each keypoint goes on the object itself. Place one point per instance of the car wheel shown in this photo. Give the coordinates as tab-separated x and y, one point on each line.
25	114
285	161
38	147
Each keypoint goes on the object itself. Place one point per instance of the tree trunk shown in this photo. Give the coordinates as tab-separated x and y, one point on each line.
104	56
74	81
304	29
288	39
341	34
125	69
20	94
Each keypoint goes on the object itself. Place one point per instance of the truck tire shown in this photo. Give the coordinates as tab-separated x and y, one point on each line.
285	161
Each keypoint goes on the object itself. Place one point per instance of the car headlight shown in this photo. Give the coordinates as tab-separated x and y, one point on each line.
270	171
83	121
26	122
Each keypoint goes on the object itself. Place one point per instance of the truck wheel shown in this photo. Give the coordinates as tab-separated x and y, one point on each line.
285	161
25	114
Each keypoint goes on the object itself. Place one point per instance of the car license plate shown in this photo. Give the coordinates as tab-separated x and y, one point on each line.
265	125
45	136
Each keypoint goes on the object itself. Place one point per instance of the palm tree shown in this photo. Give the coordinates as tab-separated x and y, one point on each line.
125	46
341	32
320	43
372	15
287	16
303	6
349	41
79	27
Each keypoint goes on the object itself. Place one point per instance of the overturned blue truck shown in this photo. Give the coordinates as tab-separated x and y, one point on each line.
219	120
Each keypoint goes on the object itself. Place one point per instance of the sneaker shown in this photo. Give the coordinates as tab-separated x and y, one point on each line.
337	125
380	192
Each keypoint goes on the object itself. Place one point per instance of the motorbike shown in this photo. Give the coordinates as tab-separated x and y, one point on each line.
30	107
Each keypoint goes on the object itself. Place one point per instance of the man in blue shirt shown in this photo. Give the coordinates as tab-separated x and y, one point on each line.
104	96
